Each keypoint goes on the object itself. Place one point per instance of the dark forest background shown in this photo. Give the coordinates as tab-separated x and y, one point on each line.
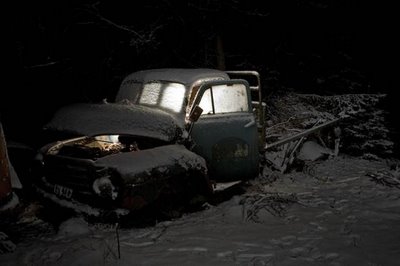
79	51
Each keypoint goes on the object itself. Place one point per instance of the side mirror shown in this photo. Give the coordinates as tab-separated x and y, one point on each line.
195	114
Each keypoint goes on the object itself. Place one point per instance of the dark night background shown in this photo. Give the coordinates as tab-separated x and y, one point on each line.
75	51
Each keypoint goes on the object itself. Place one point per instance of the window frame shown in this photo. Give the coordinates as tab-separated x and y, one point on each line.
208	85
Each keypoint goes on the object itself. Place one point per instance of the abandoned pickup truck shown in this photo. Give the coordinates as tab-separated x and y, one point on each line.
169	134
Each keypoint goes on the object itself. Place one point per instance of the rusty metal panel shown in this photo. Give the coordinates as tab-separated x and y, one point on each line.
5	177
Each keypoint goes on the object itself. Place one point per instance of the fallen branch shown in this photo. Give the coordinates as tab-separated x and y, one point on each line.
301	134
385	178
42	65
274	203
348	179
289	159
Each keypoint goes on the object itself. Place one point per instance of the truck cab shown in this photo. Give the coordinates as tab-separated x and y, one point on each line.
224	116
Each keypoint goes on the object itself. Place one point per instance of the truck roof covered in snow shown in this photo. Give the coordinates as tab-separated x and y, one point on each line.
180	75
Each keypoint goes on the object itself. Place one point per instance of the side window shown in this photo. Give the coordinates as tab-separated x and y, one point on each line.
206	103
225	99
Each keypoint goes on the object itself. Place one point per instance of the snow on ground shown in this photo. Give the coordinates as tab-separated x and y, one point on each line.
12	203
332	213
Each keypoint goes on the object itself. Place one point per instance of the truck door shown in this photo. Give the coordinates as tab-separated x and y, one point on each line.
226	132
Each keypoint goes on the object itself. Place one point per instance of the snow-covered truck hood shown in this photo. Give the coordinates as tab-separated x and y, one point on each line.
115	118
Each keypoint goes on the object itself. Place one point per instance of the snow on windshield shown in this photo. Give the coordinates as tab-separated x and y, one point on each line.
165	95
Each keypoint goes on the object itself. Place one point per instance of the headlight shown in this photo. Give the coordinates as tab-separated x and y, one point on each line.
105	188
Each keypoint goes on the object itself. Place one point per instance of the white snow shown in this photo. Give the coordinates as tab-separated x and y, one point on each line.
311	151
73	227
338	220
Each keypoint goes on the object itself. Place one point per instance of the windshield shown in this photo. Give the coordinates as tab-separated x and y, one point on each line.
164	95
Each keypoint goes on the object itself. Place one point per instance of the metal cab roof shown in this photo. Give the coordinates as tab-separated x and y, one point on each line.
185	76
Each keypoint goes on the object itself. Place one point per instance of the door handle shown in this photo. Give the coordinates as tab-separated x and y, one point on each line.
251	123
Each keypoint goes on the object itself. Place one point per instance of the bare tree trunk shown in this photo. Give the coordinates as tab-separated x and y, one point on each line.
220	54
5	178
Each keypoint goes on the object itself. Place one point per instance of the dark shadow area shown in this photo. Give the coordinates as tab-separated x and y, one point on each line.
65	52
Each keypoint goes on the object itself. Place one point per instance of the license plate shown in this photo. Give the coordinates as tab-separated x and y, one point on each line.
62	191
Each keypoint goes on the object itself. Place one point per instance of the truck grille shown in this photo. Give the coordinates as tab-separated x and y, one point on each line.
77	174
